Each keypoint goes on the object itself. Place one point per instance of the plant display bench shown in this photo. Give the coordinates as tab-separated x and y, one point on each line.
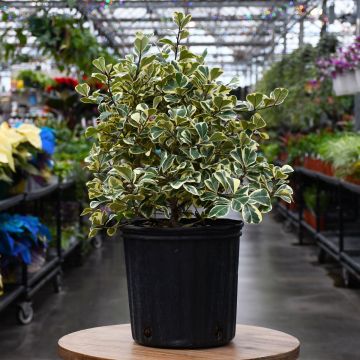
32	202
115	343
341	241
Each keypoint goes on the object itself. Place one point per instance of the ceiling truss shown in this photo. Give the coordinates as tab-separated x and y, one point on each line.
237	33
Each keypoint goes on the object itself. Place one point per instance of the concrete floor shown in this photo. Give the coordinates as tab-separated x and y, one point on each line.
280	286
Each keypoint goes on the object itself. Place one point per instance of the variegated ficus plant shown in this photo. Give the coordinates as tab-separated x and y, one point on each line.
173	143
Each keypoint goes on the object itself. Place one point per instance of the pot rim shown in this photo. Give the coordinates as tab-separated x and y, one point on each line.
211	225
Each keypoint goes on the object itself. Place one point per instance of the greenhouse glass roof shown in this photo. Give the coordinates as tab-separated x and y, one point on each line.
241	36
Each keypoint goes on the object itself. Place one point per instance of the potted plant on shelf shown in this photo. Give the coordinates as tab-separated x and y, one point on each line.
172	157
343	68
315	209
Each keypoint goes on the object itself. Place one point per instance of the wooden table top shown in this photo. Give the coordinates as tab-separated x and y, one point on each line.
115	343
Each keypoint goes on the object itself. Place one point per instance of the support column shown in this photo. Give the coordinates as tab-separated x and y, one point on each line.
301	32
285	35
324	16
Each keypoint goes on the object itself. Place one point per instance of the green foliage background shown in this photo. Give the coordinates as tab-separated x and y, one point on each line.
304	109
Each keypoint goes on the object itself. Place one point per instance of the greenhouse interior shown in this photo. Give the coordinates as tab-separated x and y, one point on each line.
180	179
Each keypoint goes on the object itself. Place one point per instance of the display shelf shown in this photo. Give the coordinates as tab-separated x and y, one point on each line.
11	294
308	227
70	249
293	215
41	192
331	180
31	283
351	260
48	275
35	277
11	202
330	244
341	243
65	184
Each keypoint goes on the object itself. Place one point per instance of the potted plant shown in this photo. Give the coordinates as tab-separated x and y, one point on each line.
172	157
312	215
343	68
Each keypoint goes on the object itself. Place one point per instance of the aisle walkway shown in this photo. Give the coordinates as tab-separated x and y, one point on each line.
280	286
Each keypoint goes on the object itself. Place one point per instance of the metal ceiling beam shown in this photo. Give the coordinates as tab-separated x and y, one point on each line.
216	43
98	27
163	34
231	18
143	4
159	27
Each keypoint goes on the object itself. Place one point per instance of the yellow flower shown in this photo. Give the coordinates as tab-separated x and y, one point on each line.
10	138
13	137
31	134
6	156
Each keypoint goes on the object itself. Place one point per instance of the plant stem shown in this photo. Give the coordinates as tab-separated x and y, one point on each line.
111	94
174	217
138	66
177	42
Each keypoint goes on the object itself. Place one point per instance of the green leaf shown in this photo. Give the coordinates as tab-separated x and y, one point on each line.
215	73
136	117
236	155
184	34
194	153
157	100
141	42
261	197
240	198
166	161
93	232
100	64
125	172
86	211
202	129
186	20
219	211
91	131
181	80
191	189
166	41
147	60
98	218
101	77
218	136
156	132
104	115
287	169
255	100
258	121
227	115
221	177
284	192
248	156
208	196
177	184
111	231
236	184
83	89
251	214
279	95
137	150
212	184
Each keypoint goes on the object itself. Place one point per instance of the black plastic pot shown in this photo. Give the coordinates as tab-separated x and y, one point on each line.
182	283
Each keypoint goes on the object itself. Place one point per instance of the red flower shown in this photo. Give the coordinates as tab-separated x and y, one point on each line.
66	82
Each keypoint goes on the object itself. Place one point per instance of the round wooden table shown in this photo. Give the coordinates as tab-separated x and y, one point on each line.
115	343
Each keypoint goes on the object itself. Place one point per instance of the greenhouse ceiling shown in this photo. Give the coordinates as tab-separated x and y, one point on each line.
241	36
